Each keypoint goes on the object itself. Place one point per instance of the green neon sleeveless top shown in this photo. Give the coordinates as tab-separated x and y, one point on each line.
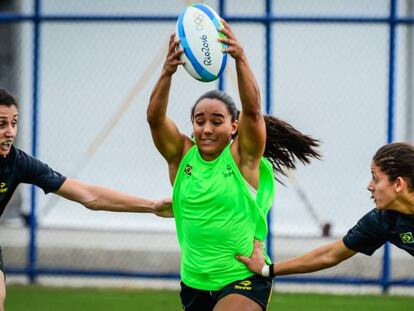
217	217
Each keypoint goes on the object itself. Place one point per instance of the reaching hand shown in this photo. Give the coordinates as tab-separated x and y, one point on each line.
234	47
163	208
256	261
173	56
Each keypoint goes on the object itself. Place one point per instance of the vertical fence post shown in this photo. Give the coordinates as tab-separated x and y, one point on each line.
222	13
32	260
386	263
268	90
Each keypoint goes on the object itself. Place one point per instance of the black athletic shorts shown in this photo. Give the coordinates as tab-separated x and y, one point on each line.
256	287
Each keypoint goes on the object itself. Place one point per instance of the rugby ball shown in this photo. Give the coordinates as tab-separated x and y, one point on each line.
197	29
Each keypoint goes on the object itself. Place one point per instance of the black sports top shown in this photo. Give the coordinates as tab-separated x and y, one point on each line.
19	167
378	227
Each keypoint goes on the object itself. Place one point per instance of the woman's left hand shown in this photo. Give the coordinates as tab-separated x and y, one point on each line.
234	47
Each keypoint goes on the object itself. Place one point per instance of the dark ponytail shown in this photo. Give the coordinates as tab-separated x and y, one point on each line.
285	145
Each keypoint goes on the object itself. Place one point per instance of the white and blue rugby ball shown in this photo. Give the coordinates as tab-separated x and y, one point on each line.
197	29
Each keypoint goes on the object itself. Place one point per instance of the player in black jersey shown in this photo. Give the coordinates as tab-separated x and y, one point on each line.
392	219
18	167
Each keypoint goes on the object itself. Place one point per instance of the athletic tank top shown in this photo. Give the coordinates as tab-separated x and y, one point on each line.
217	218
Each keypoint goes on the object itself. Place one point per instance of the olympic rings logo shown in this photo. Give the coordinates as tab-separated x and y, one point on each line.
198	21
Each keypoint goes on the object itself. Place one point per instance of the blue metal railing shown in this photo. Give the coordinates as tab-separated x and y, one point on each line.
268	90
37	18
32	262
386	262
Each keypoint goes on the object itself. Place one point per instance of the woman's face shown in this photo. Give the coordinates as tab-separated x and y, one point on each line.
8	128
212	127
383	191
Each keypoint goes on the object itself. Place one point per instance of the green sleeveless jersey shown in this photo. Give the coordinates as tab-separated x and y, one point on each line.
217	217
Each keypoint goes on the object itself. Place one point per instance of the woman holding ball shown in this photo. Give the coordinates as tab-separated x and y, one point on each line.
223	182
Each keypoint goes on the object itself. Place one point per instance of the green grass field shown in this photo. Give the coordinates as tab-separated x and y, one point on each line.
34	298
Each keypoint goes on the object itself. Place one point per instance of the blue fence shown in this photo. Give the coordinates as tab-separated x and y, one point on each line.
37	19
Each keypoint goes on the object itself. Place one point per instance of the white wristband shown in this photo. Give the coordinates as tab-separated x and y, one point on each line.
266	271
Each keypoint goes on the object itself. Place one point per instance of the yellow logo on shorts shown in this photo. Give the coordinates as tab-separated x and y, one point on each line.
243	285
3	187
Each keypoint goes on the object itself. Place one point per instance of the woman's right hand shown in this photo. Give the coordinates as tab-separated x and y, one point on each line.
256	261
163	208
172	60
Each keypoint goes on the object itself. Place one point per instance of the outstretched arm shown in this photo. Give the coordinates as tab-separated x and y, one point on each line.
165	134
252	129
318	259
105	199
